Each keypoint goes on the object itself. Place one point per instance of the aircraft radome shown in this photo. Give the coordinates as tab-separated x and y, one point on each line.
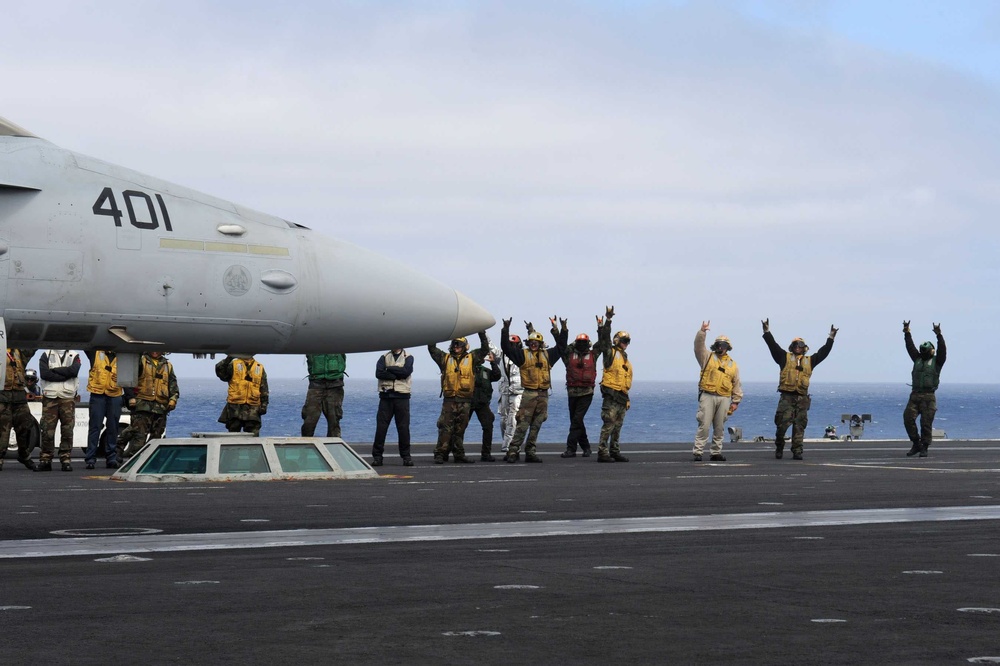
97	256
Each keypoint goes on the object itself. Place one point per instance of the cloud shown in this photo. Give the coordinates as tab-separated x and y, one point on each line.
686	161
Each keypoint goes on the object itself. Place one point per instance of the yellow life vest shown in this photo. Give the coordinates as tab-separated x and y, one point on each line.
103	378
154	380
717	375
618	376
535	373
244	387
458	379
795	376
15	371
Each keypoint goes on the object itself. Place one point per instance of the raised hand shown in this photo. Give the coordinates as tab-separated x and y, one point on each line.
705	325
766	324
833	331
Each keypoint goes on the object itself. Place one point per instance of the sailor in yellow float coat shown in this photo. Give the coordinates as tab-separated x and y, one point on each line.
535	364
458	383
14	412
793	385
615	385
105	407
719	391
248	394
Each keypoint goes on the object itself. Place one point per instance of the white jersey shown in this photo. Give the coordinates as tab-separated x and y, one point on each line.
510	374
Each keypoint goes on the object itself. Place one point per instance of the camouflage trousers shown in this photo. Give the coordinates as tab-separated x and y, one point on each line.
793	410
17	417
242	417
62	411
486	418
925	406
326	401
532	414
144	427
451	426
613	415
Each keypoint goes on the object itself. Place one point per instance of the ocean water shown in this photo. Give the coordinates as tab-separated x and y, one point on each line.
660	412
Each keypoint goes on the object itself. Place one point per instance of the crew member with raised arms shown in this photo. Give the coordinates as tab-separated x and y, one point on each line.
719	391
926	375
510	393
616	381
458	385
793	385
535	364
580	360
482	399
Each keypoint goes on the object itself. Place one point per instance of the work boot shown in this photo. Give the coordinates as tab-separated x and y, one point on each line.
66	467
718	457
90	465
586	451
112	465
697	457
568	453
532	458
487	458
796	455
914	450
27	462
407	462
463	459
923	452
779	451
376	461
438	459
44	466
619	457
512	457
604	457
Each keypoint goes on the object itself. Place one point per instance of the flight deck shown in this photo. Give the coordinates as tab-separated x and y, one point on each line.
856	554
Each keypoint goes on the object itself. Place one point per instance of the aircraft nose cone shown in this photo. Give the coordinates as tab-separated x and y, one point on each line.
472	317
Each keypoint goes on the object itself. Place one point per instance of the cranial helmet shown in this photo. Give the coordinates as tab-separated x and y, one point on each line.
583	337
515	339
462	342
536	336
621	336
30	376
926	350
798	341
722	344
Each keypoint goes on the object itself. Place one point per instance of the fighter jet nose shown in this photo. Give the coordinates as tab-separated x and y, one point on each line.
472	318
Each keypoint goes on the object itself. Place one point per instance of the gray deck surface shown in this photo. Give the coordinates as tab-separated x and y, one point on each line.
855	555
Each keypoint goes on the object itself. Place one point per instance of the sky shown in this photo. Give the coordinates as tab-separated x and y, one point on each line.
814	163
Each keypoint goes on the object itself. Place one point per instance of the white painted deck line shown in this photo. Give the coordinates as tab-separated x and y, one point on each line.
165	543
